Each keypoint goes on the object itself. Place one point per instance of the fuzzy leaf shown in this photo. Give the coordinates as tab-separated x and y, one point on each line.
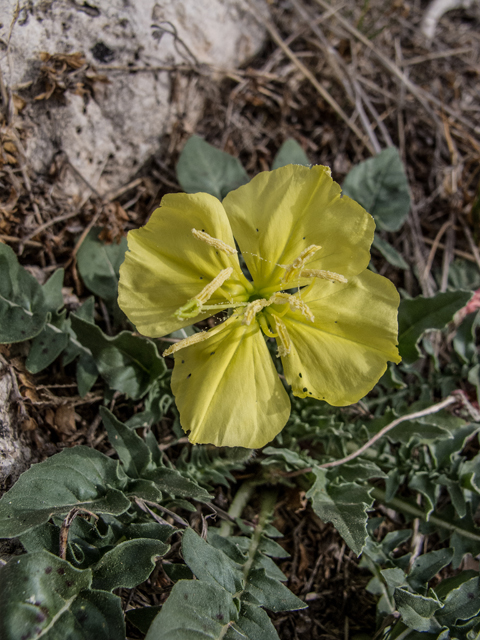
194	610
42	595
268	592
99	263
171	481
426	566
129	364
290	153
209	564
344	505
130	448
423	314
202	167
128	564
418	611
48	345
77	477
380	185
390	254
23	308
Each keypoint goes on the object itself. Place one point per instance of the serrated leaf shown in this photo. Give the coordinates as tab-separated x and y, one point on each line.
129	364
423	314
390	254
128	564
48	345
345	506
42	595
418	611
171	481
380	185
290	153
77	477
357	471
203	168
194	609
23	308
99	264
209	564
131	449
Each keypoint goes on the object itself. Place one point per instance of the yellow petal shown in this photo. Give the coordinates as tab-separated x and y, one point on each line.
279	213
228	391
166	264
342	355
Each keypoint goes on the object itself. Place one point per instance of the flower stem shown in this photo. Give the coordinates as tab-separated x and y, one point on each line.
239	503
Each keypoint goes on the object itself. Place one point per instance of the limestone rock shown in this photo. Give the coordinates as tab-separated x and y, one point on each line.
107	130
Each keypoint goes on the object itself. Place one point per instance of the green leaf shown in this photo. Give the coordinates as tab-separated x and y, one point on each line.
418	611
23	308
254	624
52	291
209	564
344	505
48	345
203	168
426	567
86	374
99	264
128	564
269	592
194	610
290	153
422	482
131	449
42	595
129	364
464	341
380	185
461	603
171	481
390	254
423	314
77	477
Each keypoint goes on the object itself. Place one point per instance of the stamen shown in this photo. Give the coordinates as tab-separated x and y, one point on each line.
194	306
296	304
198	337
299	262
285	345
325	275
253	308
214	242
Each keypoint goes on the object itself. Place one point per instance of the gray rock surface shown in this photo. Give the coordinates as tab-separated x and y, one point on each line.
14	452
113	128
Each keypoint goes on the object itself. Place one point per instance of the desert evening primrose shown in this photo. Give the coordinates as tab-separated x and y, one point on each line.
307	249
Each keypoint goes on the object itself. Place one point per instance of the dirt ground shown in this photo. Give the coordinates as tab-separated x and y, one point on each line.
346	83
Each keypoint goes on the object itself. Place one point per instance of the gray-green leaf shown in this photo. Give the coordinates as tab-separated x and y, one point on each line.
290	153
423	314
77	477
99	264
203	168
380	185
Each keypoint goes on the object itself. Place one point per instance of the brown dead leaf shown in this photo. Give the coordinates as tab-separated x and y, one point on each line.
28	424
65	419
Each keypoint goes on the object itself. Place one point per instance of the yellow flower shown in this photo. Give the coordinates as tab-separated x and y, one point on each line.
307	249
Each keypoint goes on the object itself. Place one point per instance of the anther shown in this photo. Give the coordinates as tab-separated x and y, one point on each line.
253	308
198	337
214	242
284	347
299	262
296	304
193	307
324	275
